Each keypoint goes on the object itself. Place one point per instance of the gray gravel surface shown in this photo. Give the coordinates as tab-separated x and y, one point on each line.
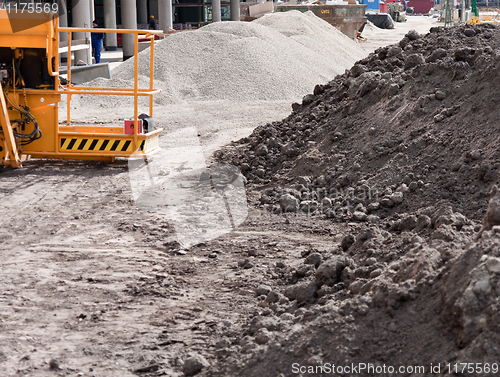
278	57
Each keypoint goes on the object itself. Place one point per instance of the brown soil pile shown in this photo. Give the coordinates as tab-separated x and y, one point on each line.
405	147
418	118
399	303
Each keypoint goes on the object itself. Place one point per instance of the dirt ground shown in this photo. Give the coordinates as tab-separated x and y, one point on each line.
91	285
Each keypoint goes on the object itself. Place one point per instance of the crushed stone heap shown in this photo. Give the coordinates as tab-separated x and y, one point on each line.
411	125
281	56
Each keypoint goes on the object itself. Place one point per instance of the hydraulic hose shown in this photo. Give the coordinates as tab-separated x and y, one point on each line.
33	135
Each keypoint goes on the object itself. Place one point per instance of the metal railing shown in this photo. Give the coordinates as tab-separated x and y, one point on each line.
136	92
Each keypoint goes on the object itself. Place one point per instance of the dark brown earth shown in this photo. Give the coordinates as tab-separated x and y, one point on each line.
387	260
404	148
422	113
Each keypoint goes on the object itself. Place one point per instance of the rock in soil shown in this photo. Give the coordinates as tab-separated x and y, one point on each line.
194	365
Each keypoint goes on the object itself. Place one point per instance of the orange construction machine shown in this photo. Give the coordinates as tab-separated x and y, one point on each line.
30	92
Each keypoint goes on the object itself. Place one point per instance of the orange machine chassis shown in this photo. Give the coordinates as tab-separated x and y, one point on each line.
63	141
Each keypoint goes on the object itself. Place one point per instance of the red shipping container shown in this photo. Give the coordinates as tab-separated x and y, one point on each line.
129	126
421	6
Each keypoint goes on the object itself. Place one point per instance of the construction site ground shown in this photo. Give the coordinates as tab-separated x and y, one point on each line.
91	285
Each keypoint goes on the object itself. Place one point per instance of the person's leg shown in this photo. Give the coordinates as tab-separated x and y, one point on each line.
97	55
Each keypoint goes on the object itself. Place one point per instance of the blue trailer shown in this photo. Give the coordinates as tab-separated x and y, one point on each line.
371	5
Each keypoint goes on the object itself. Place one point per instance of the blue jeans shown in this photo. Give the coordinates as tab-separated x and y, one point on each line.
96	52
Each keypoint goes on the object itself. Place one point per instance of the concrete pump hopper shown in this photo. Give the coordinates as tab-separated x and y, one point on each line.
30	92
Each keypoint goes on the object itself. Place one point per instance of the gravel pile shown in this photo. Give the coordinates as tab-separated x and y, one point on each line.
409	126
279	57
96	102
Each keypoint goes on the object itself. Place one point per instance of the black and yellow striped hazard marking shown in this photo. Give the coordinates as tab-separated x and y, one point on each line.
149	144
109	145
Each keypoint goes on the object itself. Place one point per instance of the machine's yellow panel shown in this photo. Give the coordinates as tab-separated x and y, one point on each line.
31	91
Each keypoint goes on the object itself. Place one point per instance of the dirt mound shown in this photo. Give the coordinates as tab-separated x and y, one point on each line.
405	147
390	303
411	125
